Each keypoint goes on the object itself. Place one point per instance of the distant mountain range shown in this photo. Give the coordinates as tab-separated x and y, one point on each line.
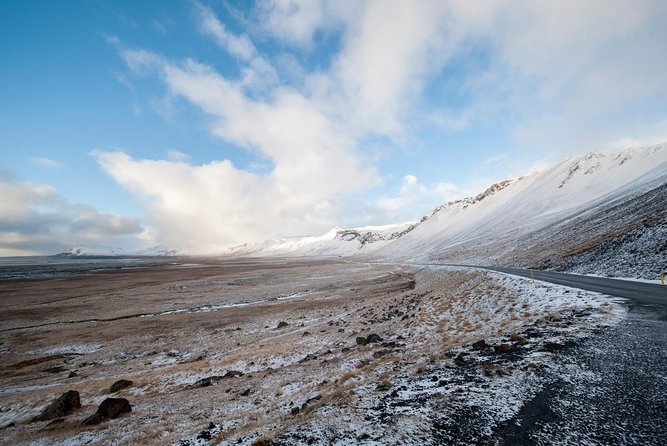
585	213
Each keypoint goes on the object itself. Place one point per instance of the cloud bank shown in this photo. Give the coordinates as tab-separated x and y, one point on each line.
34	220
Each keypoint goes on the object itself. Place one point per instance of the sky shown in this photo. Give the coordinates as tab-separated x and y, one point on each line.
201	125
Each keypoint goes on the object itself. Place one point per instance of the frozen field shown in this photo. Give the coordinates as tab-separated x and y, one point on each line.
286	352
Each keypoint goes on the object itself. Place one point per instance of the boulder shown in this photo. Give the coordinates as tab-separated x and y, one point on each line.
120	385
373	338
282	324
480	345
113	407
64	405
109	408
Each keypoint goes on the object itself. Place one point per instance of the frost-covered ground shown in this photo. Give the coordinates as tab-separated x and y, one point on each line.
457	352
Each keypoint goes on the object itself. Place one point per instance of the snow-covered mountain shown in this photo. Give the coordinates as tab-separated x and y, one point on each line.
111	251
582	214
542	213
337	242
93	250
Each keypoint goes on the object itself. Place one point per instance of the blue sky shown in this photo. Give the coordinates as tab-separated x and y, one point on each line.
209	124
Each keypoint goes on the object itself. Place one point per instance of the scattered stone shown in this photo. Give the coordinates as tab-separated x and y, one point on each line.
383	386
480	345
232	374
282	324
207	433
381	353
246	392
552	346
373	338
66	403
204	382
109	408
460	360
306	333
120	385
72	375
505	348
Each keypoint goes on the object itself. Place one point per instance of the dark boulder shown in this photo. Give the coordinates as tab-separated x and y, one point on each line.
109	408
205	382
120	385
66	403
480	345
373	338
282	324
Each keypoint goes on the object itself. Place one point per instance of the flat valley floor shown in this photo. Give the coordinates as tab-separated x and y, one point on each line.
276	351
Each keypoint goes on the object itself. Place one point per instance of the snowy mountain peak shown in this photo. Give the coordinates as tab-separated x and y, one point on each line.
489	191
94	250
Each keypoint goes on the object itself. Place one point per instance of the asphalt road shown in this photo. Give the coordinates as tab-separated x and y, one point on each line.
640	292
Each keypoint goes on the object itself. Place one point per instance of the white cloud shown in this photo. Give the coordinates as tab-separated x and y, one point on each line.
549	71
46	162
293	21
207	207
238	46
34	219
177	156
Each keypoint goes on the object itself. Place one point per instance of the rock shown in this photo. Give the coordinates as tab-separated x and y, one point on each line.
480	345
120	385
72	374
232	374
113	407
246	392
504	348
460	360
109	408
282	324
552	346
383	386
373	338
204	382
94	419
66	403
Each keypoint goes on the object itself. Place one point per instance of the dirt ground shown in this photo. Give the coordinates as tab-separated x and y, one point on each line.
258	351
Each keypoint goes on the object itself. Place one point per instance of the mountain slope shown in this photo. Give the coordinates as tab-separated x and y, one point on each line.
539	212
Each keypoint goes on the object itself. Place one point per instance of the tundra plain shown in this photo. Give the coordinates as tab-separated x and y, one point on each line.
286	351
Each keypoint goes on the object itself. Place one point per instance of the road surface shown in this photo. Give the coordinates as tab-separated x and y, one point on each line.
639	292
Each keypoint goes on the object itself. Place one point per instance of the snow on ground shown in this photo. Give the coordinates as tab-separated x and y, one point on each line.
235	375
416	385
